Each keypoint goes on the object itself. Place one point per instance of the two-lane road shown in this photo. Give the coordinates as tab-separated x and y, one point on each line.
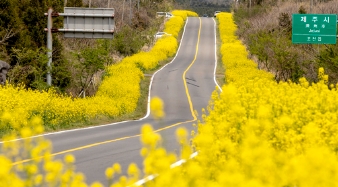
184	85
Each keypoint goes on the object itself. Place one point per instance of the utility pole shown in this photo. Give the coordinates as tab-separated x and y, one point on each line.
49	46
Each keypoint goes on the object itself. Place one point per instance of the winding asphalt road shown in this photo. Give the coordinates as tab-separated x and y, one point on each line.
184	85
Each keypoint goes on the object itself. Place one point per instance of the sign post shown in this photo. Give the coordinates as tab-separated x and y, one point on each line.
314	28
80	23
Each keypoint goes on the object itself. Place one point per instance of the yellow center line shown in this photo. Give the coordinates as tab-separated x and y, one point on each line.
78	148
99	143
138	135
185	72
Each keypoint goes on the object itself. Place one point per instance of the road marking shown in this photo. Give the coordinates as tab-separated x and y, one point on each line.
100	143
76	149
185	72
151	177
215	68
152	78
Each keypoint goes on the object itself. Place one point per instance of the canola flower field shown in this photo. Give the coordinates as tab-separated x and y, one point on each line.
118	94
256	132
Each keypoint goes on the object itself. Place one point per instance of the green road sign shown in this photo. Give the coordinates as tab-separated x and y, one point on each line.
314	28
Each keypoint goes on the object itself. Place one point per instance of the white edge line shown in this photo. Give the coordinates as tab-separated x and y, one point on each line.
143	181
151	177
182	161
110	124
178	163
216	56
152	78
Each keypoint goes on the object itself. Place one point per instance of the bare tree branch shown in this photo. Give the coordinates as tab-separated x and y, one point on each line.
8	34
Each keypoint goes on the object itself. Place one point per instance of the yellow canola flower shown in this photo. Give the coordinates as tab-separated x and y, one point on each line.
25	132
109	173
133	171
156	108
117	168
69	159
6	166
149	137
96	184
38	180
182	135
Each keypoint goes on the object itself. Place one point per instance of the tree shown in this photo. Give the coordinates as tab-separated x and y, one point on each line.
22	36
10	24
91	61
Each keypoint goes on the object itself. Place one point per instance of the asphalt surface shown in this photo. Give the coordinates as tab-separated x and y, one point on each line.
184	85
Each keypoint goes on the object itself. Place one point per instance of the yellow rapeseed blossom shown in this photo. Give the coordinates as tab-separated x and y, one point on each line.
69	159
96	184
6	166
109	173
156	108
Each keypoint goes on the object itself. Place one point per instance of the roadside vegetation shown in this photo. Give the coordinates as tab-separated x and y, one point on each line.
265	27
118	94
274	123
78	64
86	73
246	138
20	160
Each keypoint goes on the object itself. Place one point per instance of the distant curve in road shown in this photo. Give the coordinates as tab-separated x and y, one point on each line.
184	85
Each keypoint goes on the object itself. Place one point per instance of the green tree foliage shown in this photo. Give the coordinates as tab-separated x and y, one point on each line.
275	53
10	24
128	41
30	67
23	41
23	22
92	59
328	59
